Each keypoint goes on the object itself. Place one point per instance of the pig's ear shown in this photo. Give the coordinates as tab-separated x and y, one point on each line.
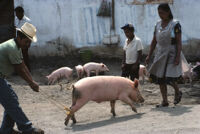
136	83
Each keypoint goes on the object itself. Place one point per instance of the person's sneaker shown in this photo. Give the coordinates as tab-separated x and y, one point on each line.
16	132
35	131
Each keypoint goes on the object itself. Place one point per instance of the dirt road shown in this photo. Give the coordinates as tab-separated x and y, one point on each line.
96	118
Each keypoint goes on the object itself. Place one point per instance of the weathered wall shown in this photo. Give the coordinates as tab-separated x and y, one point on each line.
64	23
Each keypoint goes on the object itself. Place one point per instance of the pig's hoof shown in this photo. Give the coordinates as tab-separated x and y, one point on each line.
134	110
113	113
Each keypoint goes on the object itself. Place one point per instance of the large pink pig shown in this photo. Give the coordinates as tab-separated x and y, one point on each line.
58	74
93	66
104	88
80	71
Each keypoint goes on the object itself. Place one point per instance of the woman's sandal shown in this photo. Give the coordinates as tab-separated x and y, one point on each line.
163	104
178	99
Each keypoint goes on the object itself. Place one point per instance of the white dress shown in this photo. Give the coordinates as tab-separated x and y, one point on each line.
163	63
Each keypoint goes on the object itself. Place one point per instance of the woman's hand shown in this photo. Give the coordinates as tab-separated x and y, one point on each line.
147	60
177	60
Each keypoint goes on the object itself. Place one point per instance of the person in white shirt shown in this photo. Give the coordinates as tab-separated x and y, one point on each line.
132	53
20	19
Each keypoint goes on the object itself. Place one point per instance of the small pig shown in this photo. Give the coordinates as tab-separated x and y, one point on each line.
93	66
197	63
58	74
104	88
189	74
80	71
143	72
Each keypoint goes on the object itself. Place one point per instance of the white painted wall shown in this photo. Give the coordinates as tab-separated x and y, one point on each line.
63	22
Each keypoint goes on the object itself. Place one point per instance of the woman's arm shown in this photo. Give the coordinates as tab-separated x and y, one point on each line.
177	31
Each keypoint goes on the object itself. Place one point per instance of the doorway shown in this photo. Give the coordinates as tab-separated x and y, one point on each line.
6	20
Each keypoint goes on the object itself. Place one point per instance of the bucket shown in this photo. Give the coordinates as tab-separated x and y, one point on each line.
86	55
110	39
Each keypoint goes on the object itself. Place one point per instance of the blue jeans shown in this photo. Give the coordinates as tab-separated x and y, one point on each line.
13	112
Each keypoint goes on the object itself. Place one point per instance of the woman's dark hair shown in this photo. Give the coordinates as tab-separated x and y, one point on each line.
21	35
165	7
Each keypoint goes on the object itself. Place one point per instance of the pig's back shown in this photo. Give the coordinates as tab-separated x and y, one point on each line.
62	69
90	65
101	88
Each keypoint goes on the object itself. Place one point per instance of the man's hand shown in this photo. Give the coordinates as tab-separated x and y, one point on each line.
34	86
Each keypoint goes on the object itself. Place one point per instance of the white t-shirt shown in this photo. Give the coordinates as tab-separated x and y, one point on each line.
132	49
19	23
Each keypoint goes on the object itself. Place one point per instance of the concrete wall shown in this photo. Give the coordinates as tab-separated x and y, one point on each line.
67	23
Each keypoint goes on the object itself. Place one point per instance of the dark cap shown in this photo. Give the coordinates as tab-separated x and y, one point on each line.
128	26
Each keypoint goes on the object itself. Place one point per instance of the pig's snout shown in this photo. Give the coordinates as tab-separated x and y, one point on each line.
140	99
106	68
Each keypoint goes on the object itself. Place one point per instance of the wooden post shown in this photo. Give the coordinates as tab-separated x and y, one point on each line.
113	15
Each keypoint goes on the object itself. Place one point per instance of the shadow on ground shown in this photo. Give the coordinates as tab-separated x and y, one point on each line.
174	111
98	124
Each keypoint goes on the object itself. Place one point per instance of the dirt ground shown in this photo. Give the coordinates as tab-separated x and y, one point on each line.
44	109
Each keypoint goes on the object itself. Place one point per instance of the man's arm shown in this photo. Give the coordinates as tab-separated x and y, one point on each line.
27	70
139	57
22	70
124	57
123	60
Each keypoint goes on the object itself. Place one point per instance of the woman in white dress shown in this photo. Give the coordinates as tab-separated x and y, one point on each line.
167	64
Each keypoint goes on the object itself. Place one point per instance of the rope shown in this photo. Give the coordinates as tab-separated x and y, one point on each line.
57	104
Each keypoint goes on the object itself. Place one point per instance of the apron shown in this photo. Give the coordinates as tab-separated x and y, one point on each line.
165	54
